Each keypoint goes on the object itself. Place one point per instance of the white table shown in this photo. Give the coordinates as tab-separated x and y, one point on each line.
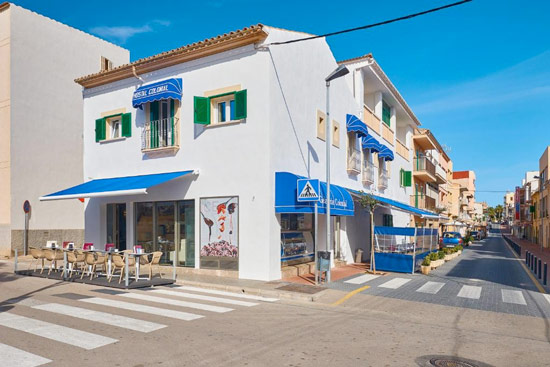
137	256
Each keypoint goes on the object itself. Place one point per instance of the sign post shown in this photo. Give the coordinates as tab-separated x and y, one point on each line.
26	209
308	190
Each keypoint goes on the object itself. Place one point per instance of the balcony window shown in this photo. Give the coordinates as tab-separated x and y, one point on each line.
160	130
354	154
382	174
221	109
368	167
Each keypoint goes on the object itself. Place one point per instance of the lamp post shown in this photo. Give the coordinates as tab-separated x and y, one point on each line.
337	73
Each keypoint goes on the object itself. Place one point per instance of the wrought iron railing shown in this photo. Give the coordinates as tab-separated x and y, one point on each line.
354	161
159	134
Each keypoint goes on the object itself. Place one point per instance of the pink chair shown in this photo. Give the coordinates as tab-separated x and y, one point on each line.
88	246
109	246
68	245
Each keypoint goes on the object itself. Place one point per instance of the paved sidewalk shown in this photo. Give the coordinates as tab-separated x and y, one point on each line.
535	249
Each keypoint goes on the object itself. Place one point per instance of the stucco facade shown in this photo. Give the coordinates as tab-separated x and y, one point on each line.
40	108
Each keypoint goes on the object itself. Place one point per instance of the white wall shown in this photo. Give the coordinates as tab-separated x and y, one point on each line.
46	118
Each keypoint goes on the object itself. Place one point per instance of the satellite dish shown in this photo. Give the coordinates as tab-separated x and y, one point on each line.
446	148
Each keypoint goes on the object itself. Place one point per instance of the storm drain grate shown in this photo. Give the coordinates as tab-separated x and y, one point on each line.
450	362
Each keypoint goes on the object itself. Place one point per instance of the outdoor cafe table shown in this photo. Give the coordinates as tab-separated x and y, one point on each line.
138	255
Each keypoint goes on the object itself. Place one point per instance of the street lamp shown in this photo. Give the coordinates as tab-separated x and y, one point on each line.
337	73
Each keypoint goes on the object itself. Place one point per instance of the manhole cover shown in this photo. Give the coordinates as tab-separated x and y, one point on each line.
448	361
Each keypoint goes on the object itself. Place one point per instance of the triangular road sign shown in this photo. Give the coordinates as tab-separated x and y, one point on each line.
308	192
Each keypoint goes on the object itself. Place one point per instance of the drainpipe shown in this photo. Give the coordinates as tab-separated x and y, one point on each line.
135	74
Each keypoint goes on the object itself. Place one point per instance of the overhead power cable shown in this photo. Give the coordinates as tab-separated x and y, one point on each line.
372	25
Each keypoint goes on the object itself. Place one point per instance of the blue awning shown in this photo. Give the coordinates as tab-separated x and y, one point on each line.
166	89
385	153
401	206
370	143
341	202
353	124
129	185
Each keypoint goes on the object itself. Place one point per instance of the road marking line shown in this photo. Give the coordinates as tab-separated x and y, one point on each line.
10	356
362	279
350	294
225	293
173	302
55	332
469	291
547	297
533	279
101	317
157	311
510	296
395	283
203	298
431	287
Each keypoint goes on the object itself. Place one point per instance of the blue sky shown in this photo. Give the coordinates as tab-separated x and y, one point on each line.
477	75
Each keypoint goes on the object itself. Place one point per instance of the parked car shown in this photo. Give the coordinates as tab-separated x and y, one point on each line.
450	239
476	235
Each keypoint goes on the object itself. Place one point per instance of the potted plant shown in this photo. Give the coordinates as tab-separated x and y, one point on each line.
459	249
434	260
425	267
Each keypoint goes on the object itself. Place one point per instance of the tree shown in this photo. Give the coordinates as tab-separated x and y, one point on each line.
368	202
499	209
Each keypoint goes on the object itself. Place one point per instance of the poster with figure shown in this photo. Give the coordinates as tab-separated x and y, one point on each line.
219	218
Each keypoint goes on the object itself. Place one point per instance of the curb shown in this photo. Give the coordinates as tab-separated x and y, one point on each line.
274	293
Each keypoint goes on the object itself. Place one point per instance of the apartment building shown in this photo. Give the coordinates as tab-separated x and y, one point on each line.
41	145
466	201
508	213
201	148
544	199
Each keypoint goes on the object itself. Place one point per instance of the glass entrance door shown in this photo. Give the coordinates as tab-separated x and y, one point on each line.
186	235
165	230
116	225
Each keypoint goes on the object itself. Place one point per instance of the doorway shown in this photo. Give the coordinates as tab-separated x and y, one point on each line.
116	225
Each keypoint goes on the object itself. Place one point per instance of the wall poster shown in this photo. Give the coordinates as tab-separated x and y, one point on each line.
219	232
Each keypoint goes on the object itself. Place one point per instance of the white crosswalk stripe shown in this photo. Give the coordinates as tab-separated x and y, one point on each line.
202	297
394	283
547	297
362	279
173	302
13	357
470	291
157	311
225	293
77	338
431	287
511	296
101	317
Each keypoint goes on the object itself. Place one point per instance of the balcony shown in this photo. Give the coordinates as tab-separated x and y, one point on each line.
160	135
354	162
423	141
368	174
371	120
402	150
383	179
424	169
387	133
440	175
423	202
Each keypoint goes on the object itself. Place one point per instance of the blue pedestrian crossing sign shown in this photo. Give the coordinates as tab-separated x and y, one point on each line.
308	190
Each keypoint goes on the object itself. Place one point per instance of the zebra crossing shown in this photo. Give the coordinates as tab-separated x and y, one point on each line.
451	292
166	305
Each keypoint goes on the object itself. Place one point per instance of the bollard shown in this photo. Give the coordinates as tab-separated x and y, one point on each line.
545	278
540	269
15	262
526	257
534	267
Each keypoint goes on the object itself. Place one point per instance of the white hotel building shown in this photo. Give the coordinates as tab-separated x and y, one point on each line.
219	131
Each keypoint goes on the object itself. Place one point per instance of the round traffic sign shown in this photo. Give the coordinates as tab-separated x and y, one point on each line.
26	206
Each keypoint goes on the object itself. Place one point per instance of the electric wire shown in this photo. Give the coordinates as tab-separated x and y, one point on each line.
371	25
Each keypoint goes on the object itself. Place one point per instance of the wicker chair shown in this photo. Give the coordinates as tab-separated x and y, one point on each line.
74	258
117	263
93	260
37	255
154	261
52	256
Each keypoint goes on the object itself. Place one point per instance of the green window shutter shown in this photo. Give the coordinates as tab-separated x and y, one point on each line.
386	113
402	177
127	124
240	105
202	110
153	127
99	129
172	120
408	178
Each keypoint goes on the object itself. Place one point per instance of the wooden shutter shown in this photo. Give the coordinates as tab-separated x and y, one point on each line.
408	178
99	129
202	110
386	113
126	124
240	105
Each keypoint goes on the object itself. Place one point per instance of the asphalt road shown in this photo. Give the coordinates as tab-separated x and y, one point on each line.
487	276
49	323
